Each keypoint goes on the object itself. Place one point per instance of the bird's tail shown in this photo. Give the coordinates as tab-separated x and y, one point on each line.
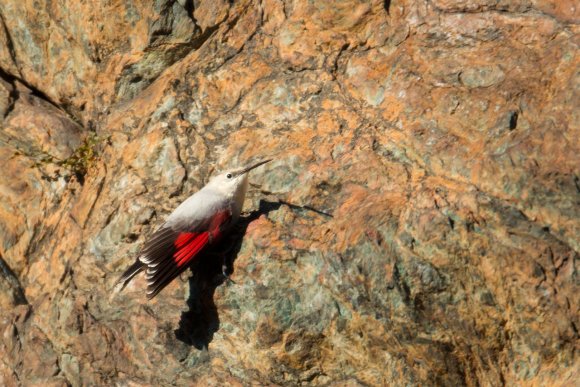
131	272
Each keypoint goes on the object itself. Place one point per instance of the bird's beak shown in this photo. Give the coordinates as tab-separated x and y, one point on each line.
248	169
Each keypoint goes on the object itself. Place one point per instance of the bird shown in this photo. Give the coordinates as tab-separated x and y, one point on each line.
200	221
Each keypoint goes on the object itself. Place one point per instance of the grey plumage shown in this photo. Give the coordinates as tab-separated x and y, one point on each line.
198	221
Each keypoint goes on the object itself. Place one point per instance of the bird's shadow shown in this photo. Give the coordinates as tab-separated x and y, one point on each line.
198	324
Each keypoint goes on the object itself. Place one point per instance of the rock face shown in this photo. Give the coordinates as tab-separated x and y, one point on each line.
419	226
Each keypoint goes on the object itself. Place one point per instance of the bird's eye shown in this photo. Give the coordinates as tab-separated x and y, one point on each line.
229	175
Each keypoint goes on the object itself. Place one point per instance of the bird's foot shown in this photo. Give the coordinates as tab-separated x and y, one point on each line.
226	275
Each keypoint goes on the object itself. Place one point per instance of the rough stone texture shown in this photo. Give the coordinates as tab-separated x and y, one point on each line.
420	225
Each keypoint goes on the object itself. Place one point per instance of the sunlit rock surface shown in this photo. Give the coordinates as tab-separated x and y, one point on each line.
419	225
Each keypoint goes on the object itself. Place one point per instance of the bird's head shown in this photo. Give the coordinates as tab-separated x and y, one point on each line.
232	181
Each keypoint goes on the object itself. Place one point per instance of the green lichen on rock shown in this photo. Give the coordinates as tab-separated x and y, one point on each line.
77	164
82	158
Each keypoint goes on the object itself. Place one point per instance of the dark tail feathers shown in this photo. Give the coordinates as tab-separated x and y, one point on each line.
130	273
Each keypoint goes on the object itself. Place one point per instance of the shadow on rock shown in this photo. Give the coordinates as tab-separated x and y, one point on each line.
199	323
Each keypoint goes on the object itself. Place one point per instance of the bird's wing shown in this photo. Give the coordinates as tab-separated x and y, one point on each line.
170	250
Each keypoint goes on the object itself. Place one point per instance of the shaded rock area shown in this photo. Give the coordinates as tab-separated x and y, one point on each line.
419	225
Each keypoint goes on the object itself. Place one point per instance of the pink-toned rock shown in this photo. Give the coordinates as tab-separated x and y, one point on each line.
418	225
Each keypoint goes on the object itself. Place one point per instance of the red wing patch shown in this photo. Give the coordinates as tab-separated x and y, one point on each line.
187	245
170	252
218	221
184	238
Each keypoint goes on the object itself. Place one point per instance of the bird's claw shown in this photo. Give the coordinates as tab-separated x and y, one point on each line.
226	275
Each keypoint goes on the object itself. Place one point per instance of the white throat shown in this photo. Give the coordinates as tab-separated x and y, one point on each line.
239	197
